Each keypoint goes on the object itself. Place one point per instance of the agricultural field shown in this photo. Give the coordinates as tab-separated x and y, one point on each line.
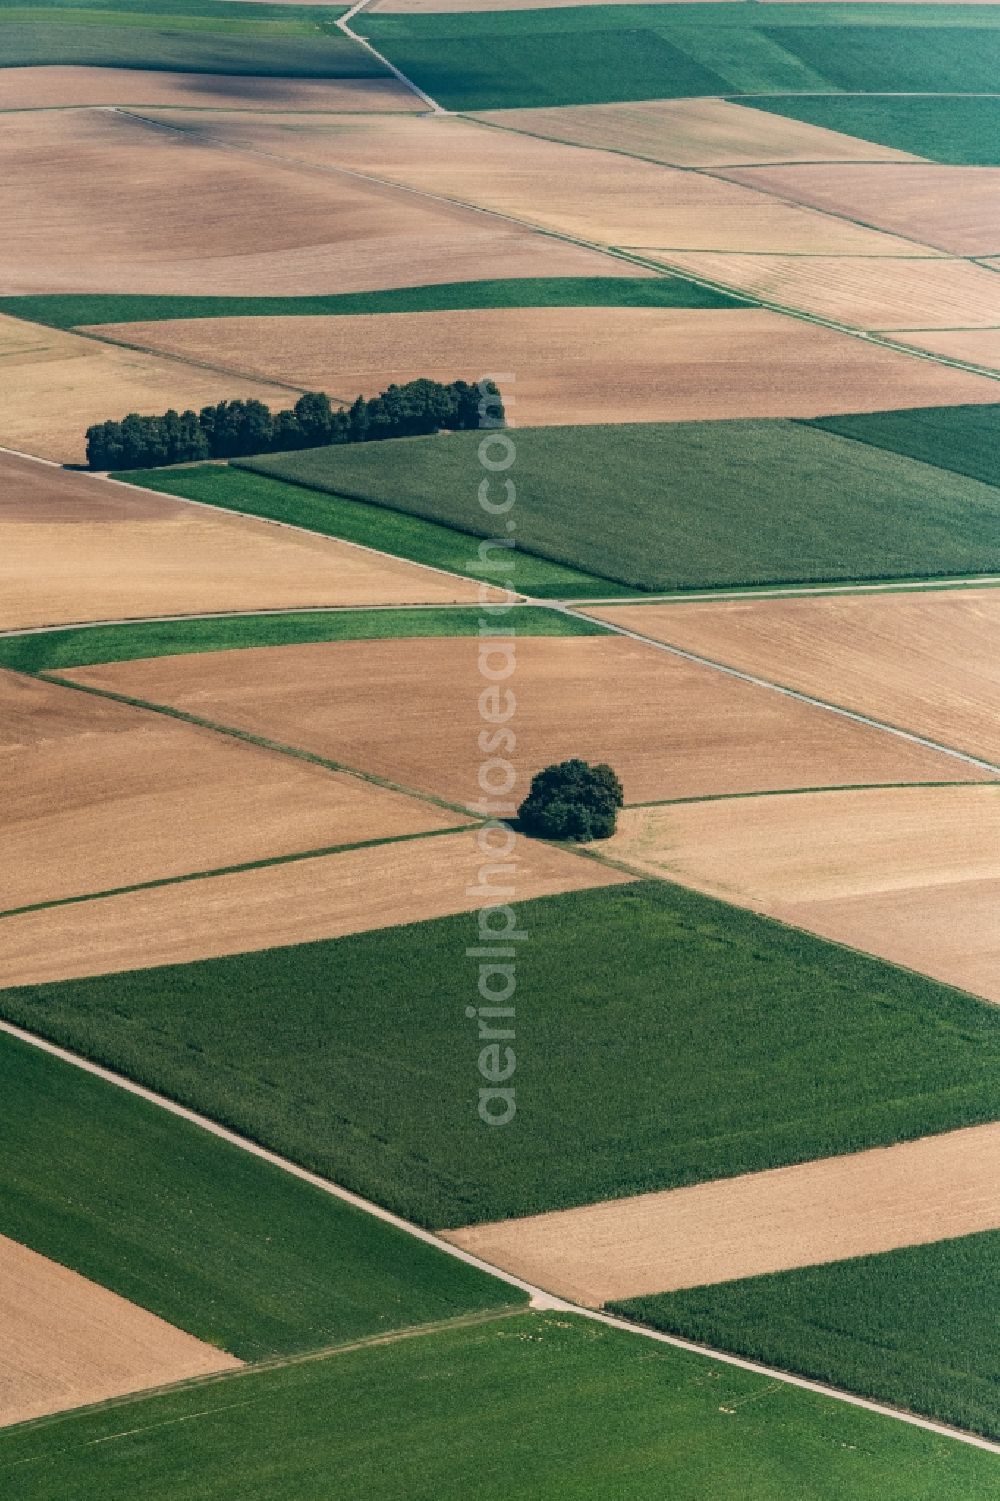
887	1326
747	503
925	662
144	88
953	129
772	1046
592	1409
973	346
636	364
75	548
909	873
403	710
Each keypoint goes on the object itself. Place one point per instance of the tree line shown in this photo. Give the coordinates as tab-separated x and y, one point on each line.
231	429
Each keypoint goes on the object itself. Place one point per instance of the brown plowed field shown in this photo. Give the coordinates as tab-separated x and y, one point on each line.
599	195
911	874
84	196
579	364
693	133
927	661
409	710
77	549
979	346
856	1205
68	1342
882	293
956	209
326	897
56	384
34	88
99	795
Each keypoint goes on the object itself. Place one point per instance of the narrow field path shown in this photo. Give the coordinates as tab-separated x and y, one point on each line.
539	1298
344	25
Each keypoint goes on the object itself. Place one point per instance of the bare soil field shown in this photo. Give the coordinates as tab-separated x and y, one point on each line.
856	1205
979	346
326	897
55	384
67	86
68	1341
409	710
926	661
884	293
99	795
581	365
78	549
693	133
952	208
85	192
598	195
911	874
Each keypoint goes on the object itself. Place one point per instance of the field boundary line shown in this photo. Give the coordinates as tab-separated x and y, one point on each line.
941	582
267	613
344	24
539	1299
247	737
267	863
729	797
797	694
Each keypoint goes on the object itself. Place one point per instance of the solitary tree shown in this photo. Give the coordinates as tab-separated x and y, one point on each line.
572	800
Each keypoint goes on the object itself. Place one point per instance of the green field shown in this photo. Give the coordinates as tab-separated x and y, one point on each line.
71	310
536	1406
662	1038
195	36
395	531
47	651
965	440
594	54
919	1328
961	131
219	1243
682	505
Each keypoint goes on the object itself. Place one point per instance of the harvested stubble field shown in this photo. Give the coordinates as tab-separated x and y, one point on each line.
944	128
911	874
56	384
79	549
889	1326
68	1342
927	662
956	209
63	87
85	191
601	196
299	902
748	502
822	1211
596	1412
240	1254
582	365
772	1047
692	133
867	292
99	794
408	710
977	346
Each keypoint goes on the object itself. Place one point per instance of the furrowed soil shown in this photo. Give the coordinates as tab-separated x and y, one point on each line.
63	86
409	710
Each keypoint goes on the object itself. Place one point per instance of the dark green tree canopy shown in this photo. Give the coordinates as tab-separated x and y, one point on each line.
572	800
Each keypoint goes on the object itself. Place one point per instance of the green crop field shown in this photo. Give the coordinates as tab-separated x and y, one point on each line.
961	131
196	36
965	440
400	532
689	504
219	1243
47	651
919	1327
663	1038
593	54
71	310
539	1406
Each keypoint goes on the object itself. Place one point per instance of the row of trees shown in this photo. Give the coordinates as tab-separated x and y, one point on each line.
233	428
